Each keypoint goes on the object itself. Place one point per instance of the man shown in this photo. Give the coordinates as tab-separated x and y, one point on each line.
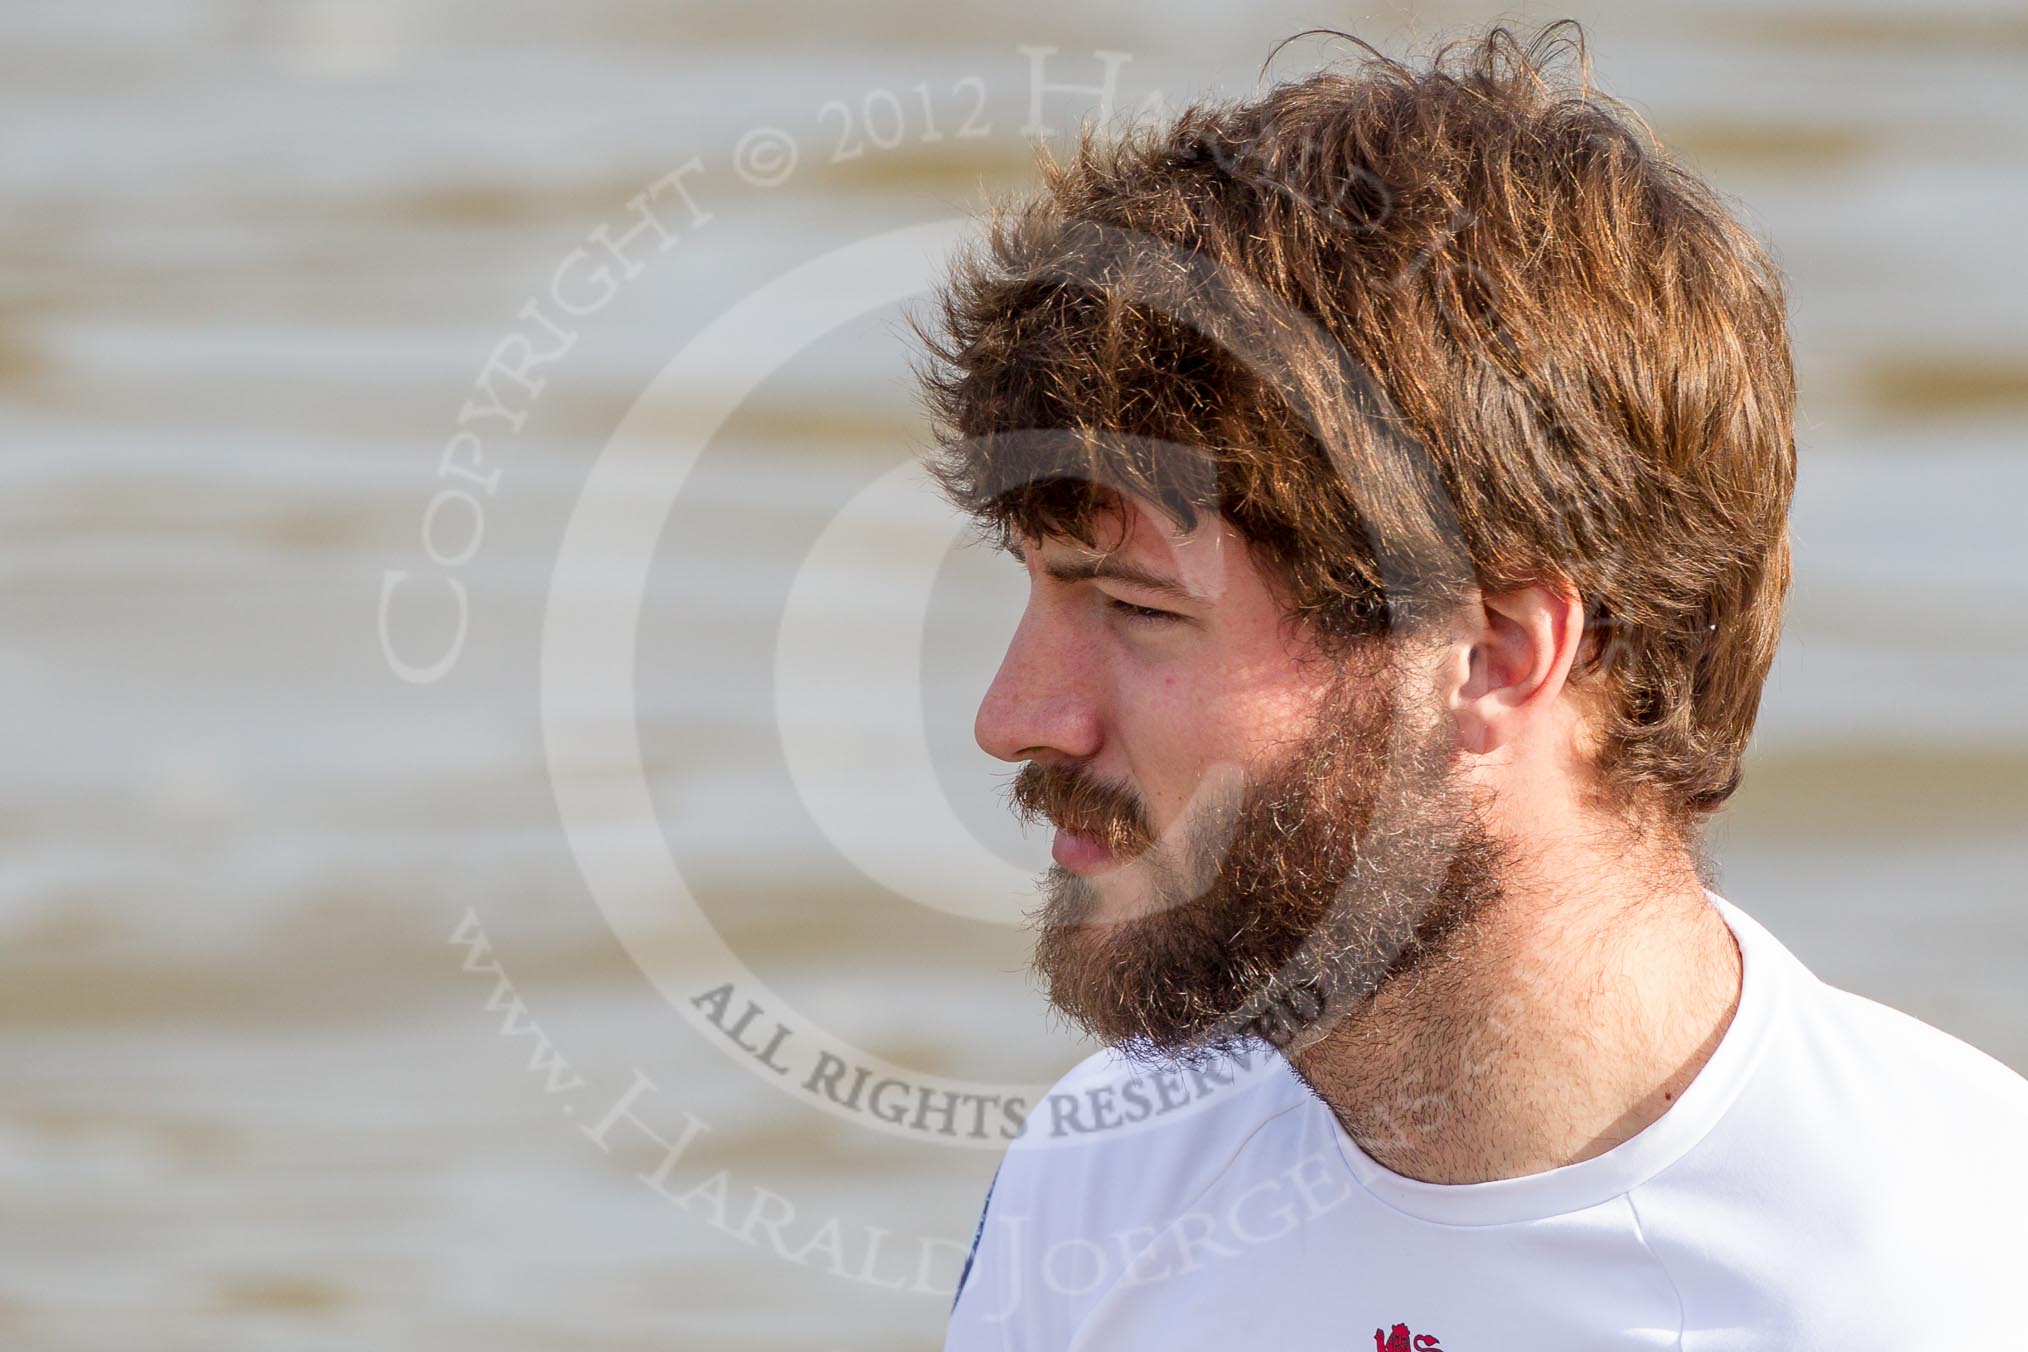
1401	465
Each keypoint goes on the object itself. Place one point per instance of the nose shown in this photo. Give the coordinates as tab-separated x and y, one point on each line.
1040	705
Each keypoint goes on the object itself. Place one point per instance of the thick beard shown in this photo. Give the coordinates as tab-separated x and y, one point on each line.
1359	857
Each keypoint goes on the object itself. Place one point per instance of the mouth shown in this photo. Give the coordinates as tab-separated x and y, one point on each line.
1082	854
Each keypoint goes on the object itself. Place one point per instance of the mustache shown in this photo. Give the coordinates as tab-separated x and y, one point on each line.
1065	795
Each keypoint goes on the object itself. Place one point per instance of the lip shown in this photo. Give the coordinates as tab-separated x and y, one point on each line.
1080	854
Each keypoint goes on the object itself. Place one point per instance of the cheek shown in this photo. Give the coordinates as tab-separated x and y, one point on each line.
1161	728
1235	729
1175	733
1222	708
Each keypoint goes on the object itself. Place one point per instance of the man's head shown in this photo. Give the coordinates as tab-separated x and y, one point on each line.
1468	449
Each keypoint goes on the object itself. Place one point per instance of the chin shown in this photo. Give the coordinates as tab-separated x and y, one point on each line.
1095	902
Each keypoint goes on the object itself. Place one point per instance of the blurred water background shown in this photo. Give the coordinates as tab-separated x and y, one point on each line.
255	257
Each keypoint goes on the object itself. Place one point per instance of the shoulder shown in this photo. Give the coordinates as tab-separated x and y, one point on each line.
1864	1061
1879	1124
1919	1091
1892	1153
1909	1071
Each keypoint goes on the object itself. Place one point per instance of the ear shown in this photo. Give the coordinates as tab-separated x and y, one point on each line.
1510	659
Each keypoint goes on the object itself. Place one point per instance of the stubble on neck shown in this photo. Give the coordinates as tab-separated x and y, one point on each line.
1562	1022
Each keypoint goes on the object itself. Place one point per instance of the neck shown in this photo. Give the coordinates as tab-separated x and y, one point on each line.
1551	1030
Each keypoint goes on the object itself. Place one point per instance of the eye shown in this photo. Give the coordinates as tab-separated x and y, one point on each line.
1143	613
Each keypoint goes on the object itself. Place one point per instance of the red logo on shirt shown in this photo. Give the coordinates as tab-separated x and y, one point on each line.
1400	1341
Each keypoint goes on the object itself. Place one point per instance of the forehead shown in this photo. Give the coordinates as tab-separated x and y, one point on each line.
1208	559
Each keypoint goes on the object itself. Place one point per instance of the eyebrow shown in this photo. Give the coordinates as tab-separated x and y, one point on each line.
1101	566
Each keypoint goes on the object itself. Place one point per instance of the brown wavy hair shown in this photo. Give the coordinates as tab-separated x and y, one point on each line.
1482	260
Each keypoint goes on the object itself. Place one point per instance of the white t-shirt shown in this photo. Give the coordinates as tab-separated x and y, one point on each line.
1839	1175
